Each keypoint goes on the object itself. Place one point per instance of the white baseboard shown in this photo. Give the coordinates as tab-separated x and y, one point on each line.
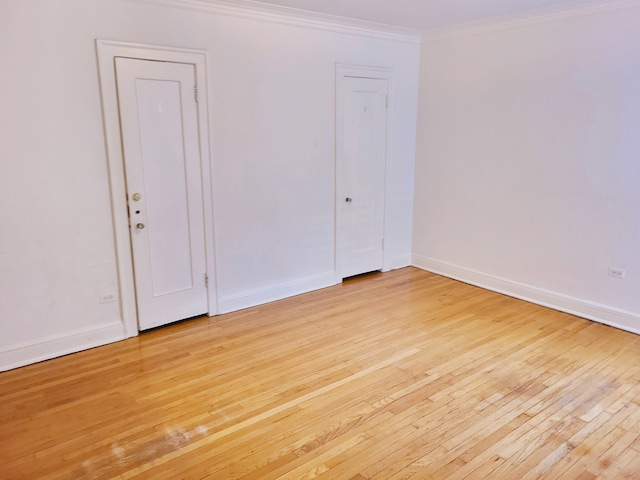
394	263
23	354
277	292
606	314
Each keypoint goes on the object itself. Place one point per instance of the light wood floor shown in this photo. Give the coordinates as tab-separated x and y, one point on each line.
390	376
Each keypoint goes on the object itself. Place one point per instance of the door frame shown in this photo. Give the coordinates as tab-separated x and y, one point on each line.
375	73
107	51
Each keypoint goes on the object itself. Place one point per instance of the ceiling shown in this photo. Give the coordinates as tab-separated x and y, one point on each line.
427	14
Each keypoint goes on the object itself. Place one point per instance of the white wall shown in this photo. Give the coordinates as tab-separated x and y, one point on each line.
528	161
272	96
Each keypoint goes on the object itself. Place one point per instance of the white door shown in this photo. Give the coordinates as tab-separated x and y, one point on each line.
159	126
360	169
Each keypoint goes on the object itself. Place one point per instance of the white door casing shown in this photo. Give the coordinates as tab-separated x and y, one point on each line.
107	52
361	136
159	127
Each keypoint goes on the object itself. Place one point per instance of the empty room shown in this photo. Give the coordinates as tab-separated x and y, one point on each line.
198	279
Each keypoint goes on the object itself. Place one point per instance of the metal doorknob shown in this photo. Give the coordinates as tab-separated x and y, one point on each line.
139	226
136	197
348	199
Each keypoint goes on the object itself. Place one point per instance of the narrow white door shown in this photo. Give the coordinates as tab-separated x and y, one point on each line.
159	124
361	159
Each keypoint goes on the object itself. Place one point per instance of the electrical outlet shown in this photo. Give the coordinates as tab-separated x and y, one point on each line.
107	297
617	272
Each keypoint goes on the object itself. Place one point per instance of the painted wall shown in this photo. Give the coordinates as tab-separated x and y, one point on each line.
271	87
528	161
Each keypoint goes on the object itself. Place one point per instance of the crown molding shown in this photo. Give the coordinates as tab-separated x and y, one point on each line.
532	17
291	16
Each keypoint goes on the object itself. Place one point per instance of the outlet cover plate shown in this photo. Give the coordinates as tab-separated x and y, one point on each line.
107	297
617	273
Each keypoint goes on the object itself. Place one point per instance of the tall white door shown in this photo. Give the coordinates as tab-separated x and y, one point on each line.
360	170
159	126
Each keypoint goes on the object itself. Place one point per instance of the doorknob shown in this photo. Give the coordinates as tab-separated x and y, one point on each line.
139	226
348	199
136	197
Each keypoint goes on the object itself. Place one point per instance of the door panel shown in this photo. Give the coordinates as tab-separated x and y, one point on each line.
360	181
158	115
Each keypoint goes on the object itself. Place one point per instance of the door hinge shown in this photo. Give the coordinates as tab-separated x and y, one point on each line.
195	93
206	279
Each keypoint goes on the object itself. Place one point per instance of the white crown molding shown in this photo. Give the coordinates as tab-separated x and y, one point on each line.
292	16
532	17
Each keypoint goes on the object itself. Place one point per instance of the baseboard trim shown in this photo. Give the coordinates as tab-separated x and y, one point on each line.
597	312
394	263
252	298
23	354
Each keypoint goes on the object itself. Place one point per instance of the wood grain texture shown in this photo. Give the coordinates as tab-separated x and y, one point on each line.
401	375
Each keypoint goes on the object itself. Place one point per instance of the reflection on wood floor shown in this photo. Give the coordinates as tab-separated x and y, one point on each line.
398	375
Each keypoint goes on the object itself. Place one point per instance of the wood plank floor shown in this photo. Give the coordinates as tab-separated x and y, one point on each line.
402	375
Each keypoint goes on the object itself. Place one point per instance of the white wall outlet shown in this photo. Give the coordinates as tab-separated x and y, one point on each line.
617	272
107	297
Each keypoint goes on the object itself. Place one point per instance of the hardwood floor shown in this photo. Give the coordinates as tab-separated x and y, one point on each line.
402	375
